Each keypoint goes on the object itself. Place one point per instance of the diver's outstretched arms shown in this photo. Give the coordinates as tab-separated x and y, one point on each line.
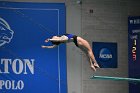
49	46
56	40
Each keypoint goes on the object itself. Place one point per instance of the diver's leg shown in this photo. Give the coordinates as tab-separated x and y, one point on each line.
83	44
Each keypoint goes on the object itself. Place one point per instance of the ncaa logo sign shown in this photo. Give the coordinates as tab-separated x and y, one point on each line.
6	34
105	54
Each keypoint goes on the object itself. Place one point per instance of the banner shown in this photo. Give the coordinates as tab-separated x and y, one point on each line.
105	54
25	67
134	52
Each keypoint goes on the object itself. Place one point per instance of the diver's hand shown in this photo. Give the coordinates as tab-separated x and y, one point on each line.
44	46
47	40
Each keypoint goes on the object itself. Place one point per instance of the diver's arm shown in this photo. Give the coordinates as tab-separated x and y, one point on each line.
49	46
58	40
61	39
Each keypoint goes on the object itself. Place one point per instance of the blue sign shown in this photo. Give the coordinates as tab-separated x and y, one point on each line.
134	52
25	67
105	54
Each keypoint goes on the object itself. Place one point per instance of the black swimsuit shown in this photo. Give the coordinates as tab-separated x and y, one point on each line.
75	40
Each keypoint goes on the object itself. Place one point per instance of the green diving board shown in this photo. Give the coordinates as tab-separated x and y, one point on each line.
115	78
